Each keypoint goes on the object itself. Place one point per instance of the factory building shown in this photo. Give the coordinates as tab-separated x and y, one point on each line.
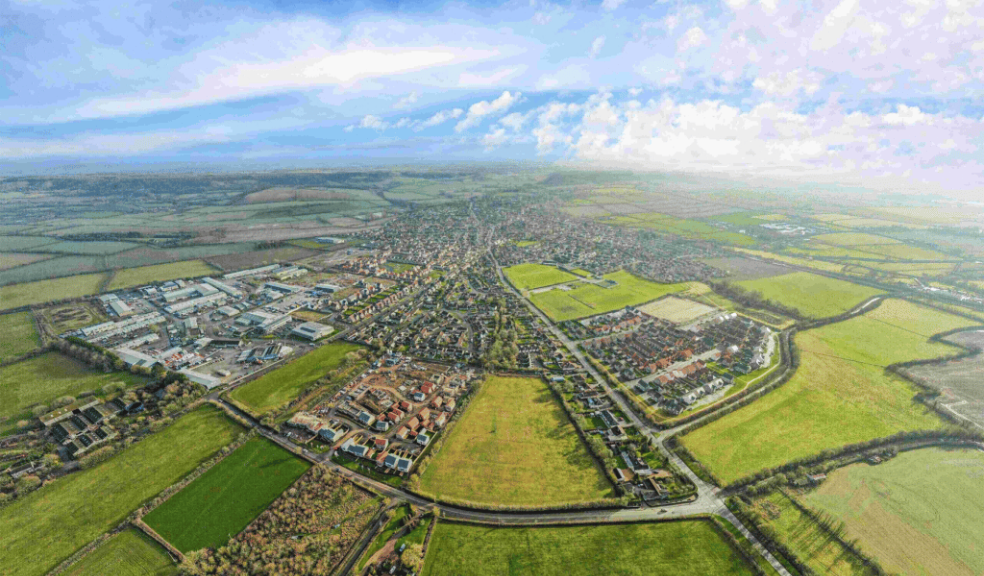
312	331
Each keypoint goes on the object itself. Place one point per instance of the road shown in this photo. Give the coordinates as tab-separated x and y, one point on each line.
707	502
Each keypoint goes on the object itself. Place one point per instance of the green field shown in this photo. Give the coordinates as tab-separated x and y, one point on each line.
224	500
19	337
919	513
27	293
50	524
277	388
528	276
129	553
158	273
49	376
840	395
806	539
669	548
813	295
589	299
681	227
515	446
18	243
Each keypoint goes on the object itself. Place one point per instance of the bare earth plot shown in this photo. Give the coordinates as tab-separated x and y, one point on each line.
960	381
919	513
841	393
515	445
746	269
676	310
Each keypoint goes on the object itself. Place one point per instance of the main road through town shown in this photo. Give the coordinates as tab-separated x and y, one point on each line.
707	502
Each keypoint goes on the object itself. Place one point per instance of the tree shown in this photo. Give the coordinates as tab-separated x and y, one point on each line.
413	557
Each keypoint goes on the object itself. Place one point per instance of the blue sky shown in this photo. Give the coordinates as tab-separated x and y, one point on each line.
848	90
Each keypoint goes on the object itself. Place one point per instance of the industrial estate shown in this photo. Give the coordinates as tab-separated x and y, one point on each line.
476	371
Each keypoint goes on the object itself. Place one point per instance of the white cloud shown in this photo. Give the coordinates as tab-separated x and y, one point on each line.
789	83
495	138
440	118
906	116
514	121
479	110
373	122
407	101
402	123
692	38
611	4
597	45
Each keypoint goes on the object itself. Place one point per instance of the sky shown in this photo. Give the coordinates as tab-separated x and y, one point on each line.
881	93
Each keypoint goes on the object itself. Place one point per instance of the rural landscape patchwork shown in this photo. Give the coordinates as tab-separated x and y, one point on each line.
486	371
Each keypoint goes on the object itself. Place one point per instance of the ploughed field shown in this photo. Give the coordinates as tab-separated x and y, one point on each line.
50	524
514	445
690	547
841	393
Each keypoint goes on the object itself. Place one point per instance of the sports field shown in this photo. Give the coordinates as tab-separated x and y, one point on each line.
224	500
588	299
129	553
158	273
48	525
676	310
17	295
693	547
18	336
806	539
515	446
277	388
919	513
813	295
527	276
49	376
840	395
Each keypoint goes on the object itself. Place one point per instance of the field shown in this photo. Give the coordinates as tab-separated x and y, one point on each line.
13	259
515	446
681	227
527	276
739	268
17	295
588	299
277	388
17	243
840	395
66	317
224	500
158	273
806	539
813	295
49	376
129	553
919	513
50	524
626	549
960	380
676	310
19	335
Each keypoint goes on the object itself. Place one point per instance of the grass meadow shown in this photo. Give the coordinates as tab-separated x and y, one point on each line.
221	502
50	524
813	295
806	539
693	547
129	553
515	446
19	336
278	387
27	293
527	276
919	513
840	394
588	299
51	375
158	273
